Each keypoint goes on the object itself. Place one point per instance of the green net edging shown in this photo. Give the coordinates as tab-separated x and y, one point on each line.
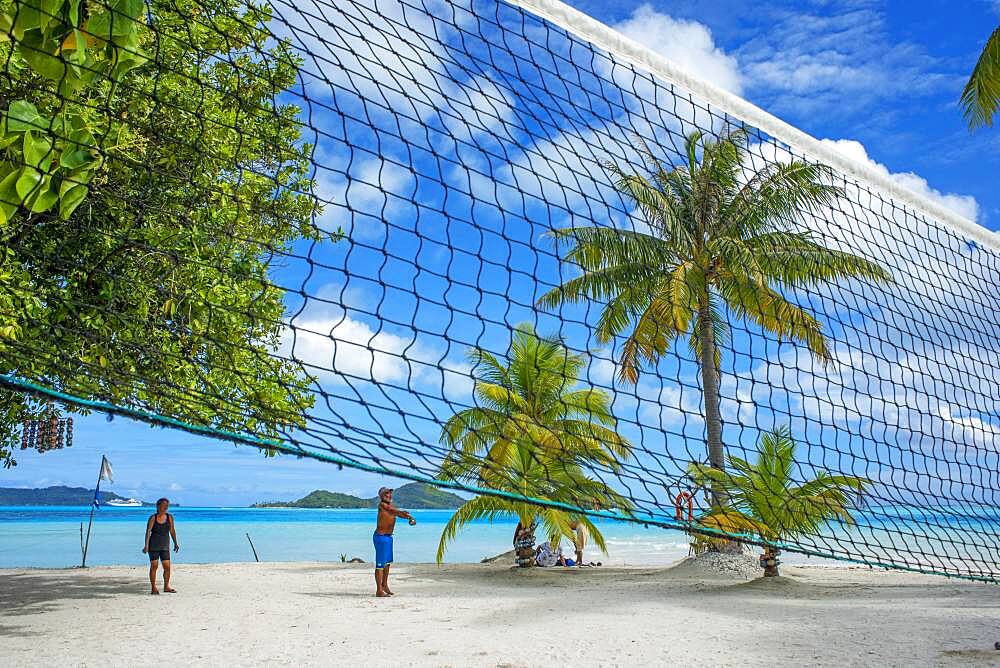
270	444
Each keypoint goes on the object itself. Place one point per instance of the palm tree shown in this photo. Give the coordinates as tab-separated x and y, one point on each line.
981	96
716	240
534	433
764	501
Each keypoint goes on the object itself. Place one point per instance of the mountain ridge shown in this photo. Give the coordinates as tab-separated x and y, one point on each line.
55	495
414	495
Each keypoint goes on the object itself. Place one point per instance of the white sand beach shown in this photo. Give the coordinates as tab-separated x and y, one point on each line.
491	615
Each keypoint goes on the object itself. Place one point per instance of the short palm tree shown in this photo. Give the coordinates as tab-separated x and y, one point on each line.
716	240
981	96
763	499
536	434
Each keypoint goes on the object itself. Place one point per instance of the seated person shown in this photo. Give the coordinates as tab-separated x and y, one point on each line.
547	556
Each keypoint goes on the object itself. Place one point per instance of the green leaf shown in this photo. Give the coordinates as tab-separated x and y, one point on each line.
71	200
42	55
26	18
130	8
49	12
76	159
44	201
76	44
23	116
74	11
8	209
28	183
128	61
108	24
37	151
8	190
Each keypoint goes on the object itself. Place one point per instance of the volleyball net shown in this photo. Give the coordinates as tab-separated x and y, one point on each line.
500	248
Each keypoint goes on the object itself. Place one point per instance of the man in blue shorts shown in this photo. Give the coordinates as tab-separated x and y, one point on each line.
387	514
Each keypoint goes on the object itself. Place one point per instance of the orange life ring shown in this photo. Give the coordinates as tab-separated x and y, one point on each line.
679	506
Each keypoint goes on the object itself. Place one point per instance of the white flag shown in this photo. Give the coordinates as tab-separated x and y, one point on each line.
106	469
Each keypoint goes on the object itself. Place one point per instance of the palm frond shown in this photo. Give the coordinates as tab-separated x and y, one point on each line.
981	95
654	331
488	368
736	522
537	436
764	500
659	209
481	507
773	313
776	194
794	259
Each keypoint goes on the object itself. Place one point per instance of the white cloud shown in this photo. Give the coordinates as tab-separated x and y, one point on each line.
476	107
378	190
456	378
837	62
373	48
602	372
971	428
929	268
333	347
898	396
688	44
673	407
567	175
336	346
963	205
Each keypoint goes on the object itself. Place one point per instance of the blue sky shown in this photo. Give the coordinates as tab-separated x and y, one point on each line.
878	80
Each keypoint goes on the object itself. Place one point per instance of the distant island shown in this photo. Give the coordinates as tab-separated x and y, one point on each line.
412	496
59	495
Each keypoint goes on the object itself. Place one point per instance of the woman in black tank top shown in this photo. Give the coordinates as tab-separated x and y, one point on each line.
159	531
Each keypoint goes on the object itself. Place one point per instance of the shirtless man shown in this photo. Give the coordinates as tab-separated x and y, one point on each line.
387	514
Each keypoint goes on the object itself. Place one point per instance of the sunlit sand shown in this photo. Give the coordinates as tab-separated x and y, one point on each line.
491	615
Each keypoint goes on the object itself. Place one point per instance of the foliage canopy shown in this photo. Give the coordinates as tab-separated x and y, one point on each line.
157	176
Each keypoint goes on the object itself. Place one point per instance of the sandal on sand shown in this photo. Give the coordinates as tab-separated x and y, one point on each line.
169	590
155	592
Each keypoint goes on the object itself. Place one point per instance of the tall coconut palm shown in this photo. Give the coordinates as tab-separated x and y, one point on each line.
534	433
716	240
981	96
765	501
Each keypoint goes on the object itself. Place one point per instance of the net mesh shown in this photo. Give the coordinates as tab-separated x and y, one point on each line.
454	242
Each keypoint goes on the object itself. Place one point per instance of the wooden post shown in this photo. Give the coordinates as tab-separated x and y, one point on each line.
254	549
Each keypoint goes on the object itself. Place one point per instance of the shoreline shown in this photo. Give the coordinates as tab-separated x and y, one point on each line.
316	613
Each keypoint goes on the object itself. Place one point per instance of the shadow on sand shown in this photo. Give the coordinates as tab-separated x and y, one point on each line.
29	593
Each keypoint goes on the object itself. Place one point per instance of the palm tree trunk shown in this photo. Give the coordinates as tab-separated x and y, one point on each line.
770	562
524	551
710	390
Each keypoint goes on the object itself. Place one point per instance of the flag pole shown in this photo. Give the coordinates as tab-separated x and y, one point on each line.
93	505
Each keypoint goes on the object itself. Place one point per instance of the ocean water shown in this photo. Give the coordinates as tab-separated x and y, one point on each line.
49	536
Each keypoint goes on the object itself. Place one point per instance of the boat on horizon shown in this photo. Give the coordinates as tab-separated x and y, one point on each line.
124	503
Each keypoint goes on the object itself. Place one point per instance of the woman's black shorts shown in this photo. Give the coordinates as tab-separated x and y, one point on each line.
162	555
